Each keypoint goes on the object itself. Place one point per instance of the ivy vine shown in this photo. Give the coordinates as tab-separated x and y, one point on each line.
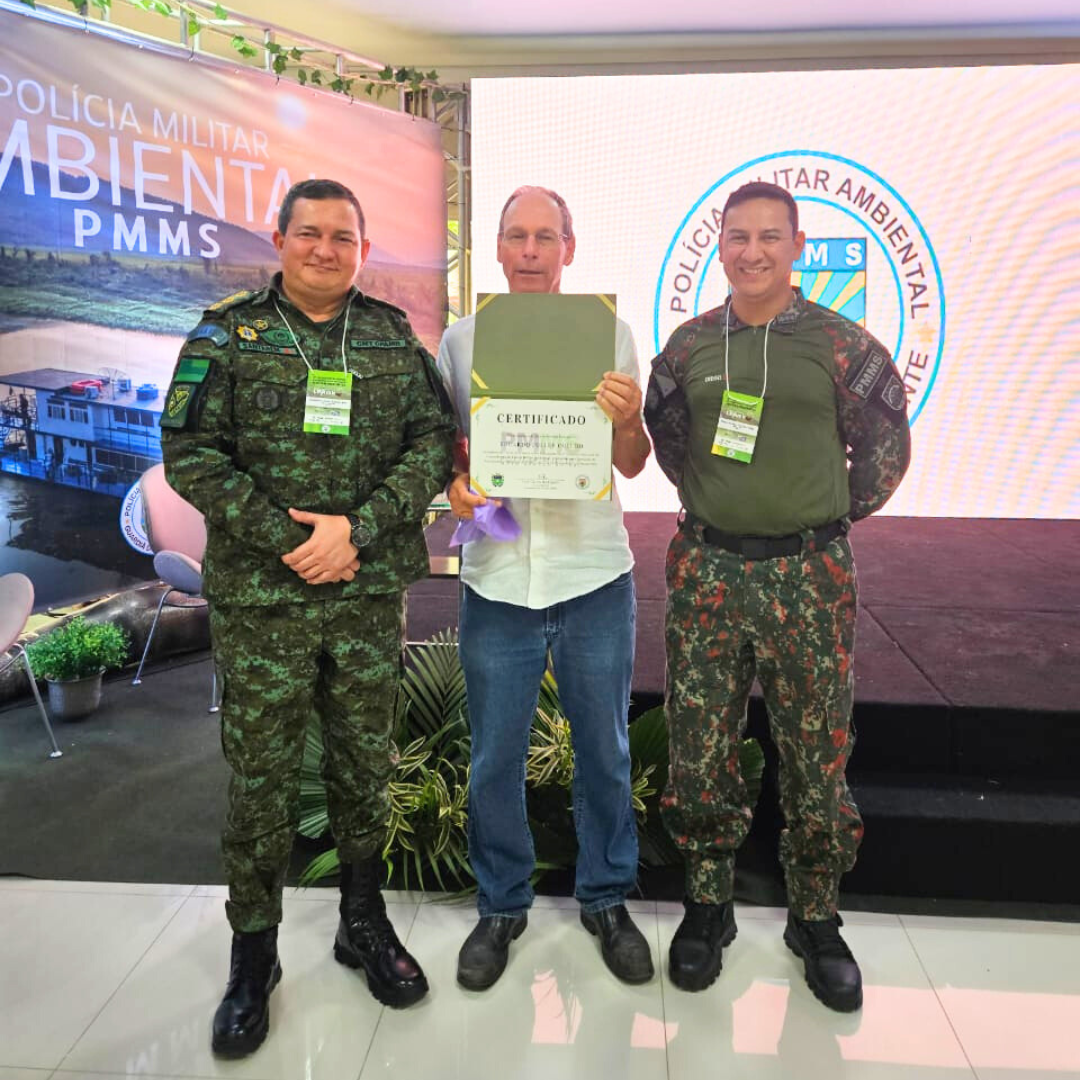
282	58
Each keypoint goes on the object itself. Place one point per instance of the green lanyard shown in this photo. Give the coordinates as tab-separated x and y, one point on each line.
740	414
328	398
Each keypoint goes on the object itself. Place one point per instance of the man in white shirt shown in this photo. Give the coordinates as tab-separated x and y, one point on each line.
563	585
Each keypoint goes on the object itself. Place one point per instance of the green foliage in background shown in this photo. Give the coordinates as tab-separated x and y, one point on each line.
297	62
427	843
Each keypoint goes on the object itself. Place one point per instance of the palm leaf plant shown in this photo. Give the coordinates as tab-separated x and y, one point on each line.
426	841
549	772
549	776
426	828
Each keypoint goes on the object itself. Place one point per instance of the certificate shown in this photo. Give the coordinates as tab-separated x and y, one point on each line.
536	431
532	448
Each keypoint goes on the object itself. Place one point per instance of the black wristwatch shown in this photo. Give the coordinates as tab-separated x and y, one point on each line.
361	535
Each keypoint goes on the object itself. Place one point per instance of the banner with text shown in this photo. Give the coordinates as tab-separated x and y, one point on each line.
136	189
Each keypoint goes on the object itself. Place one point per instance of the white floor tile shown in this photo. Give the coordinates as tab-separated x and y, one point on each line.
760	1020
220	892
158	1024
316	892
758	911
131	888
755	911
560	903
62	955
126	977
1011	990
634	905
64	1074
669	907
79	1074
556	1012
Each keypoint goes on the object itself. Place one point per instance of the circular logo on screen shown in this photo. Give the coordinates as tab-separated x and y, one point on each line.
867	256
132	522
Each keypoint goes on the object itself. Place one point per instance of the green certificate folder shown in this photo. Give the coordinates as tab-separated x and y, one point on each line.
552	346
536	431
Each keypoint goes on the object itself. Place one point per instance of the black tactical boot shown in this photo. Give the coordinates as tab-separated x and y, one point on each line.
365	938
831	971
622	944
483	956
697	949
243	1017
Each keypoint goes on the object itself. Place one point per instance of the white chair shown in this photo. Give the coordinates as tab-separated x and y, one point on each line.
16	603
177	534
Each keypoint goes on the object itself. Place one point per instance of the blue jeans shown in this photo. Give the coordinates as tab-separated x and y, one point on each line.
504	650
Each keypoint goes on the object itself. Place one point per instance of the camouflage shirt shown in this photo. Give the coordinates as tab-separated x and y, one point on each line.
833	440
235	448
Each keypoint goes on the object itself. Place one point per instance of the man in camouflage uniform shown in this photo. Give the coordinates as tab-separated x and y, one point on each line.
312	538
761	579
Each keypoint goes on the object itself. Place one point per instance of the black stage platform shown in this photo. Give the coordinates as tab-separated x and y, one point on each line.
967	765
966	768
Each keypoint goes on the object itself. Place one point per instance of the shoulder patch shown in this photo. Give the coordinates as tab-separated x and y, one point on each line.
893	395
864	376
210	331
185	391
192	369
174	415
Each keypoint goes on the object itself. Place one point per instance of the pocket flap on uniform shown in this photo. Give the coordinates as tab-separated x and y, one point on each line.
374	362
269	369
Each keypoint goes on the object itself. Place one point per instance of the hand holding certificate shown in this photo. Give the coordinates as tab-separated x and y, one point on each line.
537	430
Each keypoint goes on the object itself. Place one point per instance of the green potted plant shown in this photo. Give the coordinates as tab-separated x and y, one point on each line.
72	658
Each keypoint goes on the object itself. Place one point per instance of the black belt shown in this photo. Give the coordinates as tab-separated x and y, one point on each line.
770	547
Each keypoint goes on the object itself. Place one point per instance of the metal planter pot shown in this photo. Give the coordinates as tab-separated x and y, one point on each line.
75	698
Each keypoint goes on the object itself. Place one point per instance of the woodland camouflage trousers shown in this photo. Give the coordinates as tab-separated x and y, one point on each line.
789	621
339	659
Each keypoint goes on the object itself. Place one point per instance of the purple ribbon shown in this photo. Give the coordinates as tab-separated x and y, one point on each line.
494	522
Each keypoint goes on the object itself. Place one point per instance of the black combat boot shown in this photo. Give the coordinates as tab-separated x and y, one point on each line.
831	970
365	938
697	949
483	957
243	1017
622	944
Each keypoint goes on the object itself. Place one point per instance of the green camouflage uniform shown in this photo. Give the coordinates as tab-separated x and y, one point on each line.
833	445
234	447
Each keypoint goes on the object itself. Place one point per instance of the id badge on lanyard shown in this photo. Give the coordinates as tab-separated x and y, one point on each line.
328	398
740	414
328	403
737	428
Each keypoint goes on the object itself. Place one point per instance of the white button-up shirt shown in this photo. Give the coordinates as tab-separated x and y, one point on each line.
567	547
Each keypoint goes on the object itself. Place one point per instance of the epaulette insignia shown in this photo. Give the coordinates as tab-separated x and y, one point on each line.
231	301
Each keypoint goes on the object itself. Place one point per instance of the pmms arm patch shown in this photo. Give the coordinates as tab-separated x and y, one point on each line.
184	392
